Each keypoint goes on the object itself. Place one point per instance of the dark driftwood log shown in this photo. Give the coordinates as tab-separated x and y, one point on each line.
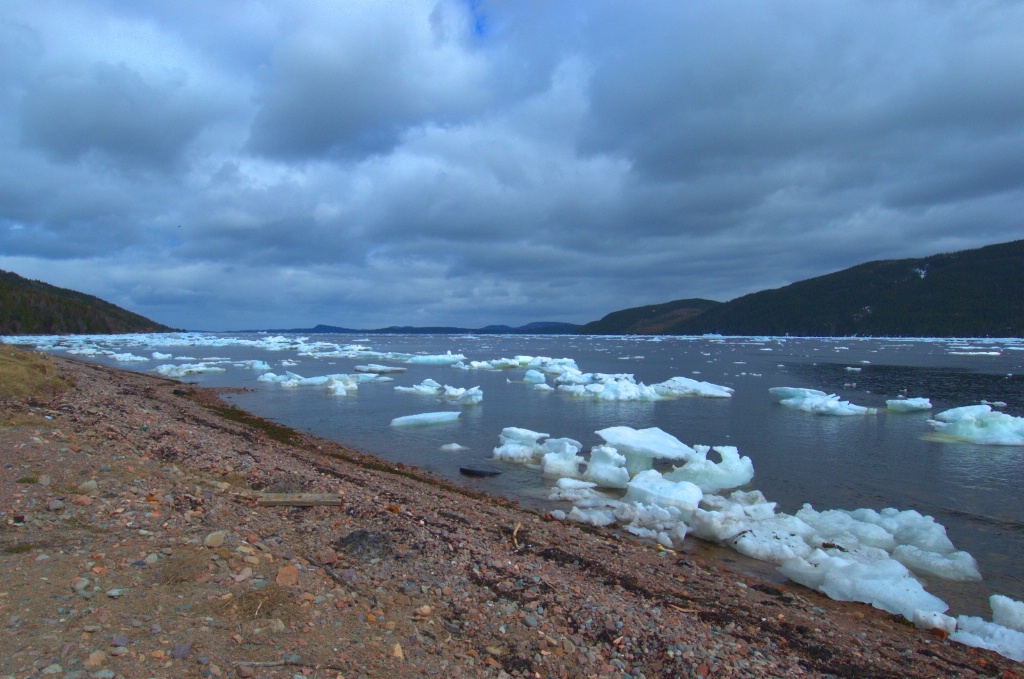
298	499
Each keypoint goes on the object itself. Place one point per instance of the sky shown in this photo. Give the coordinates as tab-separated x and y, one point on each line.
231	165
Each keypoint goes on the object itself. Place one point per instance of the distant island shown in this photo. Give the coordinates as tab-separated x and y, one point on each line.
971	293
29	307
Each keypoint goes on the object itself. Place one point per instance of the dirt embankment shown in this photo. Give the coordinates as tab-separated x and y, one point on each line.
134	544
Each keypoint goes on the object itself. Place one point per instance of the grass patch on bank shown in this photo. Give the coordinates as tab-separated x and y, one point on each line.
28	376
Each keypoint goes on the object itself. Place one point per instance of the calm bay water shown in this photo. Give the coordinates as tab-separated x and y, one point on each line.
883	460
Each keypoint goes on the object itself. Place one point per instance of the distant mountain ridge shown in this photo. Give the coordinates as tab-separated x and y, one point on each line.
536	328
970	293
29	307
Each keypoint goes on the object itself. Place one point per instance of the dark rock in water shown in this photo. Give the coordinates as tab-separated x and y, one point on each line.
477	470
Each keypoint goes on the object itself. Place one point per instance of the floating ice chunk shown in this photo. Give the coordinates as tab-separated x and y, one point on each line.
607	468
427	387
453	448
470	396
684	386
883	583
443	359
379	369
908	405
980	424
543	387
612	388
650	488
519	445
187	369
1007	612
127	357
161	357
932	620
424	419
732	472
642	446
534	377
957	566
341	385
817	402
972	631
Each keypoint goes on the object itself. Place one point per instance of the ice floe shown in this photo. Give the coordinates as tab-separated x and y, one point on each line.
422	419
817	402
187	369
1004	635
980	424
429	387
908	405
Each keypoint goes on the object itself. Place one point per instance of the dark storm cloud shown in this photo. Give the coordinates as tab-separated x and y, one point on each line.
368	164
112	111
349	85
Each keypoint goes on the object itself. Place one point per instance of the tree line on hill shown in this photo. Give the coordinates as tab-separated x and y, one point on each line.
29	307
971	293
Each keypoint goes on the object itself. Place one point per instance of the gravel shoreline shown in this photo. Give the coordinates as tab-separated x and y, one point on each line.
134	546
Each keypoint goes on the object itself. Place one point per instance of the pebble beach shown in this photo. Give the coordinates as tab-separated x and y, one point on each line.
138	542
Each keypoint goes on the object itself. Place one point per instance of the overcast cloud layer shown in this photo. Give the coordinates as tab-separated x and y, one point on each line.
281	164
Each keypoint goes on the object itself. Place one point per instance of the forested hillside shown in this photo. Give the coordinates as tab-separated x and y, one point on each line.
971	293
29	307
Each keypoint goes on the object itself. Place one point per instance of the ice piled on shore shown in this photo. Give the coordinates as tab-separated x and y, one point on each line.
423	419
817	402
908	405
429	387
641	447
860	555
523	445
651	488
884	583
519	445
607	468
732	471
1004	635
980	424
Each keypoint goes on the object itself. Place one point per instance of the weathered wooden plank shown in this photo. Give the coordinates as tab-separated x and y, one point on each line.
298	499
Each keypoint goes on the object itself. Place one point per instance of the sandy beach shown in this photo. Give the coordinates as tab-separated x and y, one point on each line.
137	542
